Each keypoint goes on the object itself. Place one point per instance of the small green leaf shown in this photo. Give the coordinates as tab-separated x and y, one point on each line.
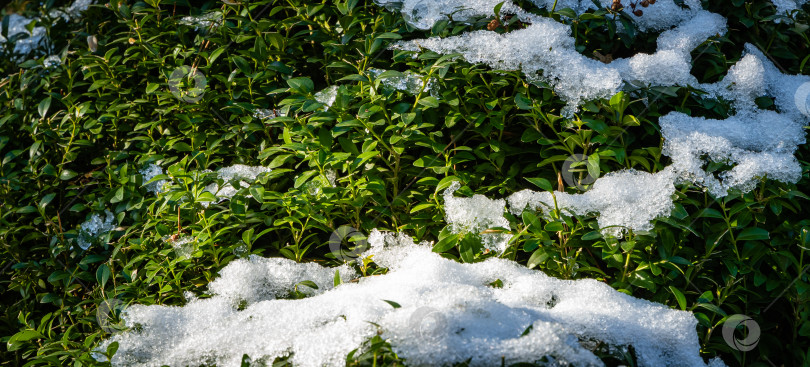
103	274
752	234
678	297
337	280
43	106
392	303
430	102
67	174
18	340
46	199
541	183
553	227
301	85
538	257
308	283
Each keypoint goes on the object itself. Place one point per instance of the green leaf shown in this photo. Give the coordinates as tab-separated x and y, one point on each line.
301	85
430	102
43	106
308	283
712	307
752	234
392	303
337	280
67	174
540	182
243	65
679	297
46	199
151	87
446	243
538	257
553	227
103	274
18	340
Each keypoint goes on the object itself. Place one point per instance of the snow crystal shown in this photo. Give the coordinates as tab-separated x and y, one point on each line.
264	114
95	227
243	173
424	14
257	279
760	144
327	96
16	25
661	15
74	11
183	246
148	173
204	21
475	215
623	199
785	7
448	314
408	81
546	45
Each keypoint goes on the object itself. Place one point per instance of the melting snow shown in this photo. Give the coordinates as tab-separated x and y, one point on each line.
475	215
327	96
245	174
448	314
149	172
408	81
95	227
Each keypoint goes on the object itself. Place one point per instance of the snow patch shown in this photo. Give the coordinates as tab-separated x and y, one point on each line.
95	227
448	314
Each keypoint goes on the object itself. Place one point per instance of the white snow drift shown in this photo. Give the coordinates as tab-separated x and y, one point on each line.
449	313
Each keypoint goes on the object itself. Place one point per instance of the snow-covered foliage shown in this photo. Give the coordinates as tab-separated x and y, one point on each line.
757	144
327	96
784	7
547	46
449	313
17	25
475	215
623	199
95	227
36	37
148	173
244	174
408	81
203	22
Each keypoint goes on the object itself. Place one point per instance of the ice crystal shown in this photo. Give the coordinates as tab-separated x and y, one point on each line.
148	173
95	227
243	174
408	81
327	96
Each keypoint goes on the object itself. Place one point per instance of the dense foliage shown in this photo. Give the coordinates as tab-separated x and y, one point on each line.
74	136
